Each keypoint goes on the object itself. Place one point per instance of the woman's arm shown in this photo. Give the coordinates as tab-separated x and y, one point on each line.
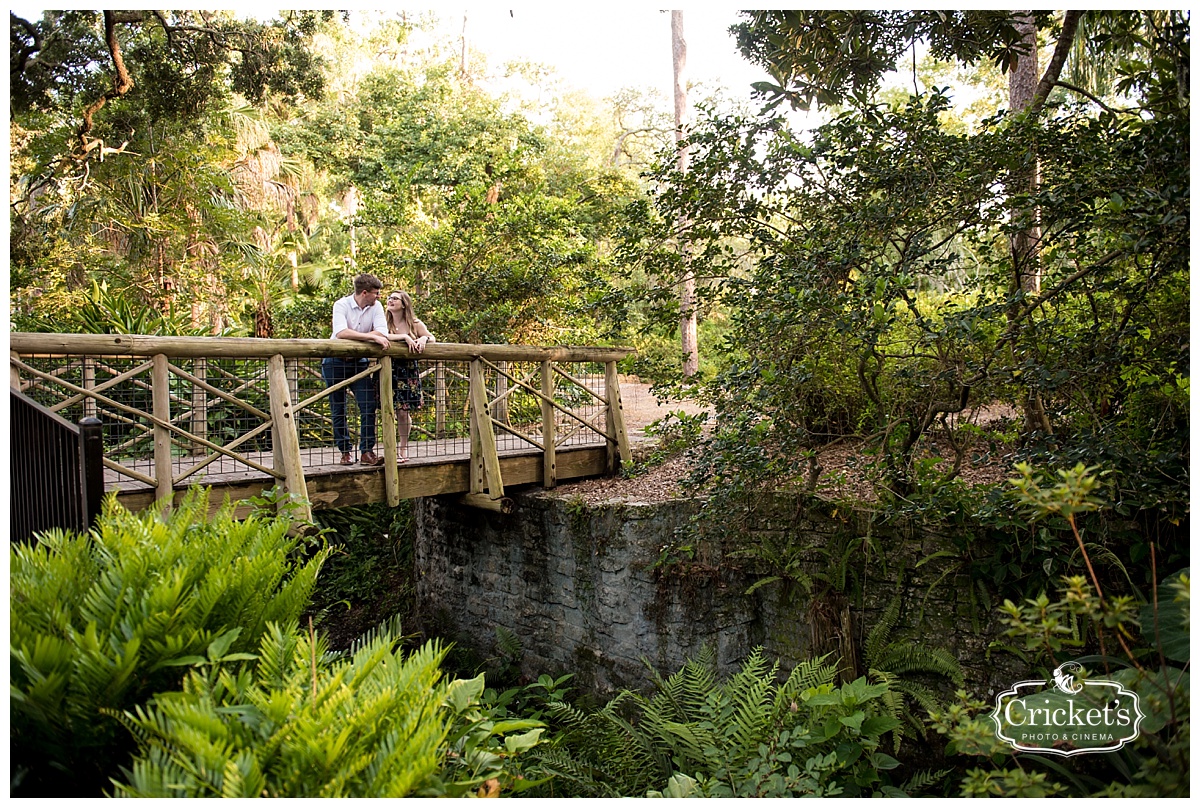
422	337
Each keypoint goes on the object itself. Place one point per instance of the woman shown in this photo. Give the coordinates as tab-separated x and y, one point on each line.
406	378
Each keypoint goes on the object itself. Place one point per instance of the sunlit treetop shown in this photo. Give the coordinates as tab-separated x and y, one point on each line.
175	62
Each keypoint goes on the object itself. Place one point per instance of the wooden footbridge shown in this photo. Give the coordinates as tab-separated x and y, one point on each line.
245	415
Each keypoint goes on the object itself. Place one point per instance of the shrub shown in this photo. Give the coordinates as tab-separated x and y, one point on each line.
102	621
1144	646
749	736
297	723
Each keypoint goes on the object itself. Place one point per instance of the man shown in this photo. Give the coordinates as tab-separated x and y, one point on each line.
359	317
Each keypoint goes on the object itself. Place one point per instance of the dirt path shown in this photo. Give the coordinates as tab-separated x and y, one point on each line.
641	408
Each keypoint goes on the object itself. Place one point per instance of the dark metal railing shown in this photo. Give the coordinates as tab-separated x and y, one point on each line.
56	470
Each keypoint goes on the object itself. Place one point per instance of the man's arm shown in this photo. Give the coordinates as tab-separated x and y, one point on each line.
343	331
371	336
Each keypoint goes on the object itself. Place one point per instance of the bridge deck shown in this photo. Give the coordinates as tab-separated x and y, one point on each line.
435	468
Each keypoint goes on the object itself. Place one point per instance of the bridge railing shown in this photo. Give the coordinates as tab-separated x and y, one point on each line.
180	410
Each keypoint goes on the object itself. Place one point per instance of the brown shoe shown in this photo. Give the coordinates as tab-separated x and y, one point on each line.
346	460
371	459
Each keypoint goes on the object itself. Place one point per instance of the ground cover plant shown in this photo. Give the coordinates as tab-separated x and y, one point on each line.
101	621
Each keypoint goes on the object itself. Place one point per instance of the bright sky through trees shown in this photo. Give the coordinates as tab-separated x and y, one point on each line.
598	47
603	48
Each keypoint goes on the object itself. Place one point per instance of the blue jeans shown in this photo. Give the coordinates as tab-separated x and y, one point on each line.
338	370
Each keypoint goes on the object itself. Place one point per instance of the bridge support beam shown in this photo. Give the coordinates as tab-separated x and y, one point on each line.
618	440
502	505
285	439
485	461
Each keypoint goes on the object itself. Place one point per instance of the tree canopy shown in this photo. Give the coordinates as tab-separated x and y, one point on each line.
868	265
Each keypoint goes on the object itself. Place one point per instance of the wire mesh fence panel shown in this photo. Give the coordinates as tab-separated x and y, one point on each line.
440	416
314	423
203	415
223	402
116	389
580	390
211	403
515	404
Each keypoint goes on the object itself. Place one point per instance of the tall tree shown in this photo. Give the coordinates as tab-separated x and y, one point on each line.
133	158
687	284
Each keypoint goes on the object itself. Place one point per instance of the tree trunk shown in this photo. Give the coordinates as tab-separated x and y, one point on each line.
687	289
1022	87
1027	274
462	65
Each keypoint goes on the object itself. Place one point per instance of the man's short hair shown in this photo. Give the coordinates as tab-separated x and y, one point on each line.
365	283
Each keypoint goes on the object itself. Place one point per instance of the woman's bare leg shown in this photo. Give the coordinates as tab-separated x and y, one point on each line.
404	426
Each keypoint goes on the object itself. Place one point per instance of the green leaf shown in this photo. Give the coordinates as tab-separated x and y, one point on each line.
519	743
854	721
462	693
883	762
877	725
1173	619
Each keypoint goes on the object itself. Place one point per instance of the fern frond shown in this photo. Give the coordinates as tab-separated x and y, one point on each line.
880	633
389	631
922	780
808	674
508	643
908	657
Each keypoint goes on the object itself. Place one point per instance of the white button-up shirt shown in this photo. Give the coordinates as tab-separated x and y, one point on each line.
348	314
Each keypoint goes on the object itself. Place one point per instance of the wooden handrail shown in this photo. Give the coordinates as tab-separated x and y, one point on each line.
253	348
486	488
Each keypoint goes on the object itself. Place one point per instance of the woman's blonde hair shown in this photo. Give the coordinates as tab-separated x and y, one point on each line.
406	314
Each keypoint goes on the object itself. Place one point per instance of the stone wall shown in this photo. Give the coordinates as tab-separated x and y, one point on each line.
600	590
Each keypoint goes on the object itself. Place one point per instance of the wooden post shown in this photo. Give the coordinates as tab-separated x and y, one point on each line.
199	405
616	417
549	475
477	471
502	505
14	375
161	397
387	406
439	399
483	437
285	439
89	383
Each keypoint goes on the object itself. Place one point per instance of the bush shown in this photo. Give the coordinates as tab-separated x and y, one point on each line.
298	723
102	621
749	736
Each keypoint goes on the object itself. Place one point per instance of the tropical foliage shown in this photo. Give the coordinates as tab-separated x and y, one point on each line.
748	736
100	622
227	195
294	724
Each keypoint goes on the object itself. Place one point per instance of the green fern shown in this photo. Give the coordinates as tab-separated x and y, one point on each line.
103	620
923	781
895	663
369	724
509	644
725	738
